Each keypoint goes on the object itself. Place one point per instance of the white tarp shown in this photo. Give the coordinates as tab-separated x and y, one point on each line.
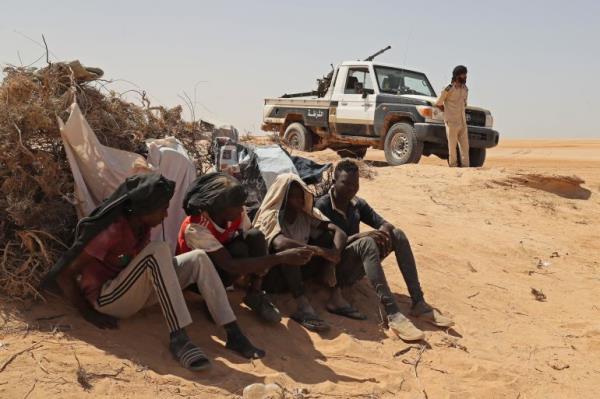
98	170
172	160
273	161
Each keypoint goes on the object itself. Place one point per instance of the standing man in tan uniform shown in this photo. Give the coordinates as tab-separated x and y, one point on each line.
453	101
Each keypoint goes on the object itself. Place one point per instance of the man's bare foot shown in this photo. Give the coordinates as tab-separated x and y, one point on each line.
304	305
340	306
307	316
337	300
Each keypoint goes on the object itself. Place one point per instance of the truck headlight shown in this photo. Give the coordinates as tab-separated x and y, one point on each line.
431	114
489	120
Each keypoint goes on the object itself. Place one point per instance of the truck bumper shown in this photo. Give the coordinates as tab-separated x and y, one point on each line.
479	137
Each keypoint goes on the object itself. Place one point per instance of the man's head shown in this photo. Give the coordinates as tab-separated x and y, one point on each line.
295	198
155	217
346	179
459	74
219	194
230	204
148	198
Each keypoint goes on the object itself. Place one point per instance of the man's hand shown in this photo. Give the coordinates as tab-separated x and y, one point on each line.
330	254
68	284
296	256
383	240
100	320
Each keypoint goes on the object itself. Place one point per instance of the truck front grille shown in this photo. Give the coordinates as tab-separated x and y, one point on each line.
475	118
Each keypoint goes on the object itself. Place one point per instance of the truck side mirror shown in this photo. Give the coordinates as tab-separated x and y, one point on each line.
365	93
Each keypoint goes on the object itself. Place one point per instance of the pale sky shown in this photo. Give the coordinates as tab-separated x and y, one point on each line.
534	64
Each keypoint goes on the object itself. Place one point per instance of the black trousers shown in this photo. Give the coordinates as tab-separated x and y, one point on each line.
252	245
362	257
291	278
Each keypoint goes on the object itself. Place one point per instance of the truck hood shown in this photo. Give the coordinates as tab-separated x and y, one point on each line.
432	100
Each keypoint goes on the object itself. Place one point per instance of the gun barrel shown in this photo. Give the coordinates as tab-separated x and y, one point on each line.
383	50
304	94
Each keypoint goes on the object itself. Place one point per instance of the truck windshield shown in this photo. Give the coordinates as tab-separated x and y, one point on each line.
400	81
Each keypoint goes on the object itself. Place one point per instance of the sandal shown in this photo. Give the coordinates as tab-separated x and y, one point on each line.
310	321
437	319
431	315
192	358
404	328
347	311
262	305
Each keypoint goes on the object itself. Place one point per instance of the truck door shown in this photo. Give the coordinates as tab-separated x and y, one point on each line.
355	111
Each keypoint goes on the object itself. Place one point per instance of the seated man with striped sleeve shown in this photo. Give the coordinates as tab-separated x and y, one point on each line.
112	270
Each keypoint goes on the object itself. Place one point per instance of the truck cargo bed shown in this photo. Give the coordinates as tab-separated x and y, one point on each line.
299	102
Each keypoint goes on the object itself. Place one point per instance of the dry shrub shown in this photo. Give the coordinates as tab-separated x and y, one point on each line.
37	217
366	170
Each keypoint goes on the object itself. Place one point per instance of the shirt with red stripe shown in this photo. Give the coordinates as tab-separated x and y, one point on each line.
201	232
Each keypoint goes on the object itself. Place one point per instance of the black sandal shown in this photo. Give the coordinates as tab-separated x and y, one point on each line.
262	305
311	322
192	358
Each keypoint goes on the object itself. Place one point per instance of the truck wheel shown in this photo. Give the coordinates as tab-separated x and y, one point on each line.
401	145
353	152
476	157
298	137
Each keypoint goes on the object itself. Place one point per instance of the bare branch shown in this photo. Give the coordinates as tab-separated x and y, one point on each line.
47	53
14	356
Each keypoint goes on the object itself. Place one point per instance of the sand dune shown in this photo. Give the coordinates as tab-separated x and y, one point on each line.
484	240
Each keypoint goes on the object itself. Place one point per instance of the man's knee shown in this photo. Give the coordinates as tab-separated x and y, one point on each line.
161	252
367	246
324	240
254	235
256	241
199	256
238	249
399	235
200	263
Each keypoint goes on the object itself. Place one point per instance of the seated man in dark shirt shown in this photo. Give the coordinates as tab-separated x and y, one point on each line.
365	251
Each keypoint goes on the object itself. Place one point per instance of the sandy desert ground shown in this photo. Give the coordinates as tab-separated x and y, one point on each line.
483	239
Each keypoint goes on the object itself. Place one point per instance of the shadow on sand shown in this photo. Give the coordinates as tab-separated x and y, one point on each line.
143	339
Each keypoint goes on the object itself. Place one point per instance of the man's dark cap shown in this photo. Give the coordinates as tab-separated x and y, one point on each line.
459	70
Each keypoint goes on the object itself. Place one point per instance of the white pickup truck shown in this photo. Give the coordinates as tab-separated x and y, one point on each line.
365	104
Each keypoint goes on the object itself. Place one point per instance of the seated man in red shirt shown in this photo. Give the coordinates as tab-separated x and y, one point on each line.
112	270
219	225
